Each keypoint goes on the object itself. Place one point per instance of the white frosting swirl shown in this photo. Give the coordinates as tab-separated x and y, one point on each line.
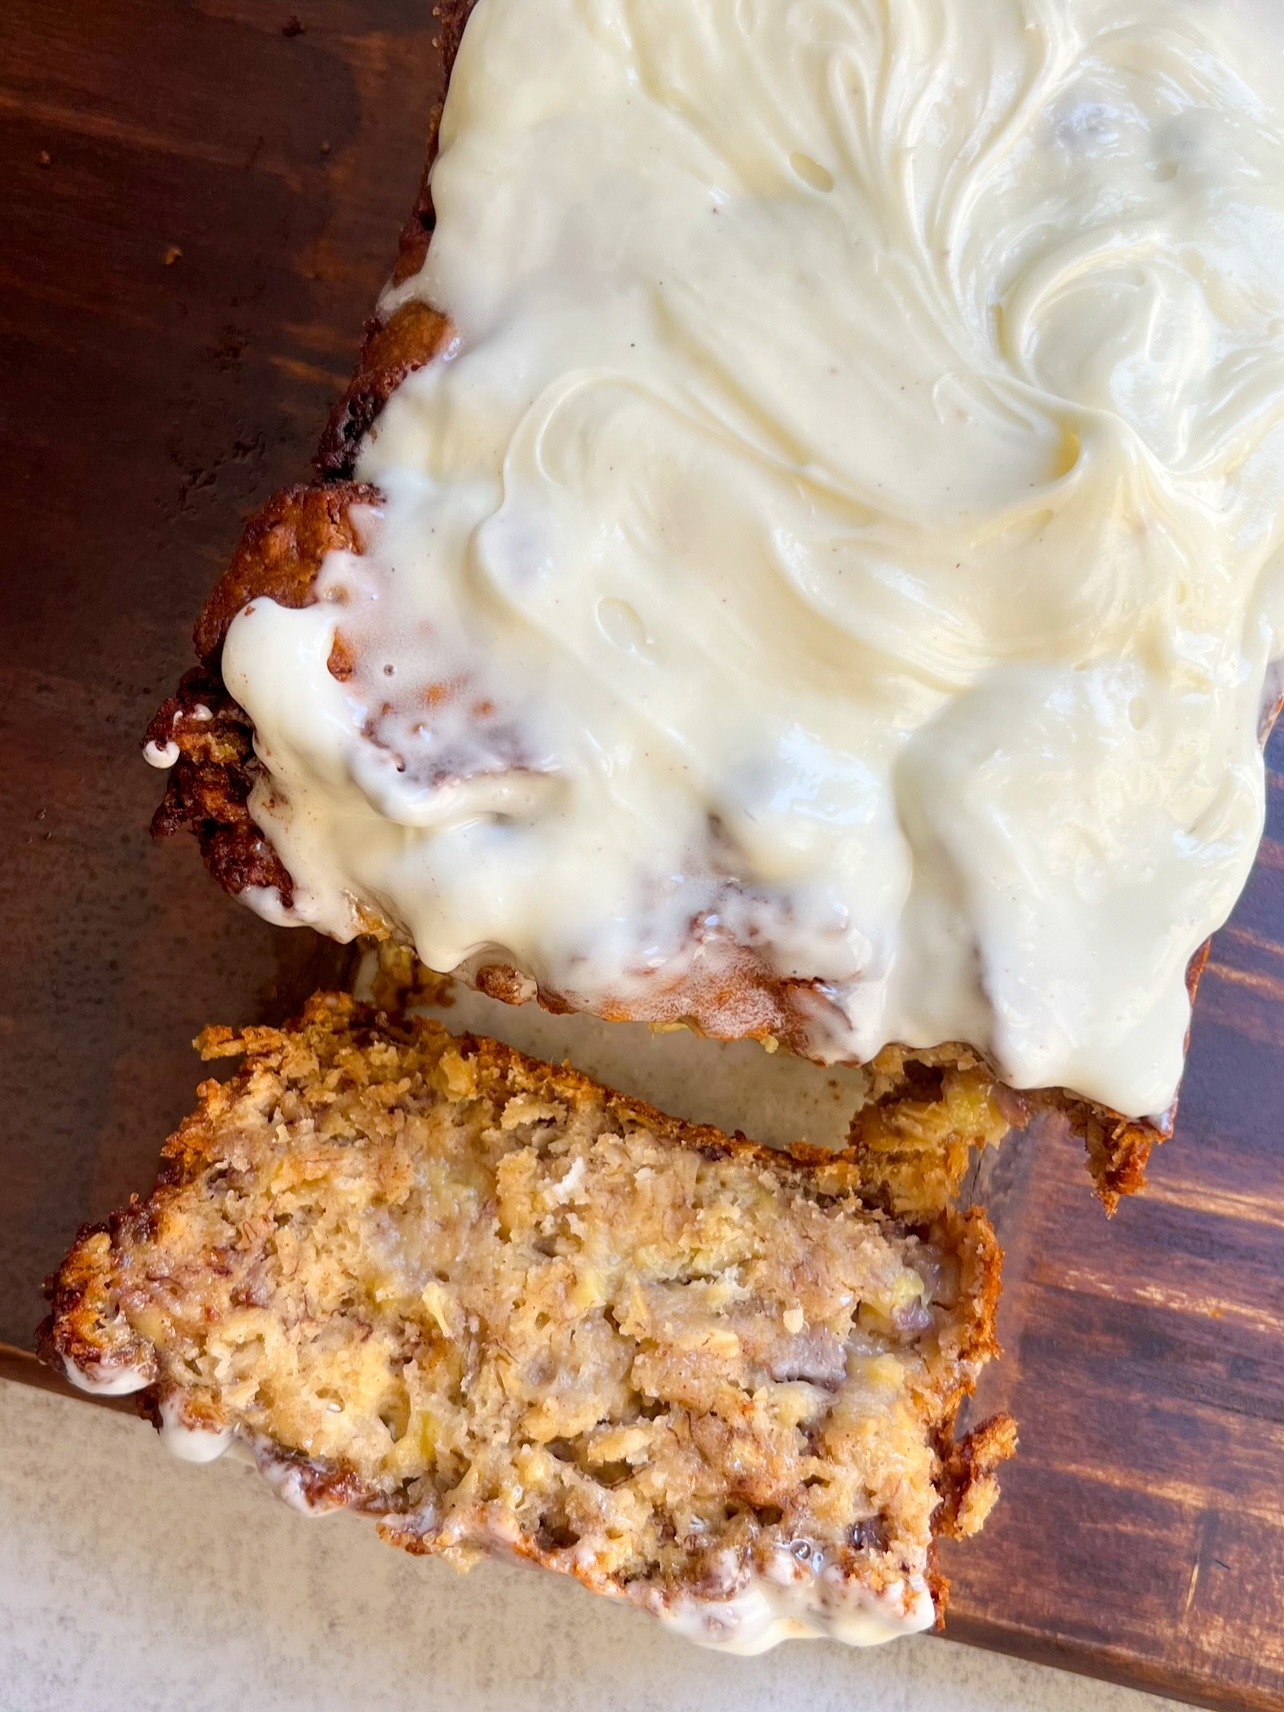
849	522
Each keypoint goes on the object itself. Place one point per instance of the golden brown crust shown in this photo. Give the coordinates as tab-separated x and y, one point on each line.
1119	1148
733	995
279	555
208	786
415	333
969	1491
451	16
75	1296
412	336
412	247
970	1465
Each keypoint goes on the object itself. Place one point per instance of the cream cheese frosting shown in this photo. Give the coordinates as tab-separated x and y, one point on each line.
794	1599
847	523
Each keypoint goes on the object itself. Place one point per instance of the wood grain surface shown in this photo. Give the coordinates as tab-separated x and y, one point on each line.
202	199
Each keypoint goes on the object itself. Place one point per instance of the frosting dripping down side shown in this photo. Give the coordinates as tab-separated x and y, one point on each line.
847	525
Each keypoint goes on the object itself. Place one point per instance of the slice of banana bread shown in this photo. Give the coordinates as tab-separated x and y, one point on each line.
504	1309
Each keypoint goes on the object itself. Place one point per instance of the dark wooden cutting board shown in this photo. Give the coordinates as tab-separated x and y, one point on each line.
202	197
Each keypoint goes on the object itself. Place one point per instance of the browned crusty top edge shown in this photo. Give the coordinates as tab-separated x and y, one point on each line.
70	1336
279	556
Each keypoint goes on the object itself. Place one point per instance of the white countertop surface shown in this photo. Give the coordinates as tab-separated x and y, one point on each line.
130	1582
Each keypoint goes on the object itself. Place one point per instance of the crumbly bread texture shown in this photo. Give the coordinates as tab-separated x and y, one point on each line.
912	1140
504	1309
729	993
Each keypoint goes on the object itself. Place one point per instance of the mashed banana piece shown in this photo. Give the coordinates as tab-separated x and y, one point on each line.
505	1309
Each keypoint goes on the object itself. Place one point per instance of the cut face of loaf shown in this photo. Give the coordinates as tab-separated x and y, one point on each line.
505	1310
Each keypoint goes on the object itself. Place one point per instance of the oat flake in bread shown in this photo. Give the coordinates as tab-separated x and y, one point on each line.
814	566
503	1309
